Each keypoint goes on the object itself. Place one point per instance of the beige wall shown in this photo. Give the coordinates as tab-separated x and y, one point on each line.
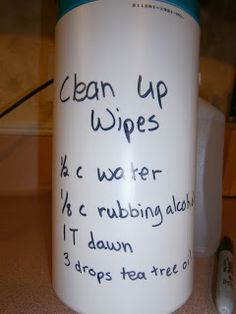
217	79
26	61
218	51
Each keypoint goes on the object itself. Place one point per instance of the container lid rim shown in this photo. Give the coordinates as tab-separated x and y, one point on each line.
189	6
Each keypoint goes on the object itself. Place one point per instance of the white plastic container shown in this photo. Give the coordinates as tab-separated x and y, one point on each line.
124	155
210	148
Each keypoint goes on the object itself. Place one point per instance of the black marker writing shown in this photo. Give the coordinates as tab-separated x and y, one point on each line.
115	246
82	91
159	92
131	173
100	276
120	212
66	204
64	168
113	121
133	275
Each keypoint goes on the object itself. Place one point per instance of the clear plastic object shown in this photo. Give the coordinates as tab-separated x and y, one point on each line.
210	146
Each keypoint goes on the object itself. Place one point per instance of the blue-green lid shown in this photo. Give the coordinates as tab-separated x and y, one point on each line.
190	6
65	6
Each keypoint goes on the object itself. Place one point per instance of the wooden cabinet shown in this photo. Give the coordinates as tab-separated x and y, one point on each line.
229	177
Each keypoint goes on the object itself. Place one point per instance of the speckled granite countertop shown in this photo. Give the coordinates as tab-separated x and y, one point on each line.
25	258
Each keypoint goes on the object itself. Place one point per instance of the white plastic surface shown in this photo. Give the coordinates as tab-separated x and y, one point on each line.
124	157
210	146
